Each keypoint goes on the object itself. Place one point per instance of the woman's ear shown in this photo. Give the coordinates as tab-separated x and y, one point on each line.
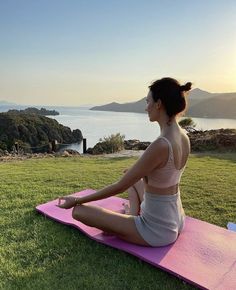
158	104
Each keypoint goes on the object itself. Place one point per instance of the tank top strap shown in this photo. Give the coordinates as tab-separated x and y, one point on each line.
171	154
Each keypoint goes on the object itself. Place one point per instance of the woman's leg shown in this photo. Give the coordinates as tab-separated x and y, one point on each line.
135	196
108	221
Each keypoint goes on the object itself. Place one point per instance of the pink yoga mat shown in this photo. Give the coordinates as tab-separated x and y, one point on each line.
204	254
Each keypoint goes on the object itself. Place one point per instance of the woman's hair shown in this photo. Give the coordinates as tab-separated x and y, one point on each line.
171	94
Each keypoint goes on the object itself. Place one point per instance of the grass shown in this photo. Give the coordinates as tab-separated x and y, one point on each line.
38	253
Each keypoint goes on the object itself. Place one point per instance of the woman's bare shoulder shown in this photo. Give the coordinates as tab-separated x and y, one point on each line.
158	151
159	144
186	140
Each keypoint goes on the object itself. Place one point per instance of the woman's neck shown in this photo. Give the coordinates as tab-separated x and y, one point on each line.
167	125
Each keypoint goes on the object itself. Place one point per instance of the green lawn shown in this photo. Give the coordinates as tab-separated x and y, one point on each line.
38	253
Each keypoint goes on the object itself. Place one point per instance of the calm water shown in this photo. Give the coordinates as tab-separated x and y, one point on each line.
97	124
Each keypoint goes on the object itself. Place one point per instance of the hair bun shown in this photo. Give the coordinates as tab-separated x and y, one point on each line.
186	87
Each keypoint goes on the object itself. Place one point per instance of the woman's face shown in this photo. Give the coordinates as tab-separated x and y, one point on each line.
151	108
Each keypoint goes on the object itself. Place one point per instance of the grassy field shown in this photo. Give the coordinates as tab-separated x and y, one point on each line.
37	253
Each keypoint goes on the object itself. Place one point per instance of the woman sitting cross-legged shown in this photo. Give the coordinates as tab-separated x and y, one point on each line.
155	216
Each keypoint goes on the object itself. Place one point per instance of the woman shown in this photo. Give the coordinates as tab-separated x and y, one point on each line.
155	216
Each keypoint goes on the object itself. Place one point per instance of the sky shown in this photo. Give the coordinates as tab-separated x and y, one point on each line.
76	52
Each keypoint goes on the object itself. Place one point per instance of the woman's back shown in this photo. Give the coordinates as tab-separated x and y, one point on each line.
169	174
181	148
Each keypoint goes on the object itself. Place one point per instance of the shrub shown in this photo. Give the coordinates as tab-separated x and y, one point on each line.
187	124
110	144
3	146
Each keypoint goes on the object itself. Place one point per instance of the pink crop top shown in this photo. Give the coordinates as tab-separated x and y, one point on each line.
167	175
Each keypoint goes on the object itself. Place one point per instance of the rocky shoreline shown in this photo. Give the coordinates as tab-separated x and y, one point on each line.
222	140
6	156
66	154
213	140
201	141
209	140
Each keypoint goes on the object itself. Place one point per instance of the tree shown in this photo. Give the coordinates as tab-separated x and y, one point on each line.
188	124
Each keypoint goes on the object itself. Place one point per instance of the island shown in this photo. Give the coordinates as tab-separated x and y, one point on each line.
31	110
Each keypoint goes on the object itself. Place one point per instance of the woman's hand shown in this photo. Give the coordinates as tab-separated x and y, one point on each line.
70	201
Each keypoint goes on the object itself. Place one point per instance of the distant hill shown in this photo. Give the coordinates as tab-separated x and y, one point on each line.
5	103
136	107
42	111
214	108
201	104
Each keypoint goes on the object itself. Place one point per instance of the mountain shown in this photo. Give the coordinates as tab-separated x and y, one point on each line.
5	103
212	105
199	94
201	104
214	108
136	107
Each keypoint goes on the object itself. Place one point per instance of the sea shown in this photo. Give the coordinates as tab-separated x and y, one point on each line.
98	124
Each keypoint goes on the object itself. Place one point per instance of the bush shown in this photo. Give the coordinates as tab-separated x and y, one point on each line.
110	144
187	124
3	146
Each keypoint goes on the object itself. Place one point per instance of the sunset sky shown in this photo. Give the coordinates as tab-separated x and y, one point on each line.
75	52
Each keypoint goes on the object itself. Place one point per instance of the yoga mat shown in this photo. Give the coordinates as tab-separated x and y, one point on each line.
203	255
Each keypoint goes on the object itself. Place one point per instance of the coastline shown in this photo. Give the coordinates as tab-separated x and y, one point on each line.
221	141
66	154
121	154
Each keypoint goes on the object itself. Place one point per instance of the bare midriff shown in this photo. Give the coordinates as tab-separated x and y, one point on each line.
162	191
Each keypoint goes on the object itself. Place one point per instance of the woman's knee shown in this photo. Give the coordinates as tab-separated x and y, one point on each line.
76	212
84	213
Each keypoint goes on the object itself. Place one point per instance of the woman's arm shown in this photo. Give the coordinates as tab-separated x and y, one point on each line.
154	156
